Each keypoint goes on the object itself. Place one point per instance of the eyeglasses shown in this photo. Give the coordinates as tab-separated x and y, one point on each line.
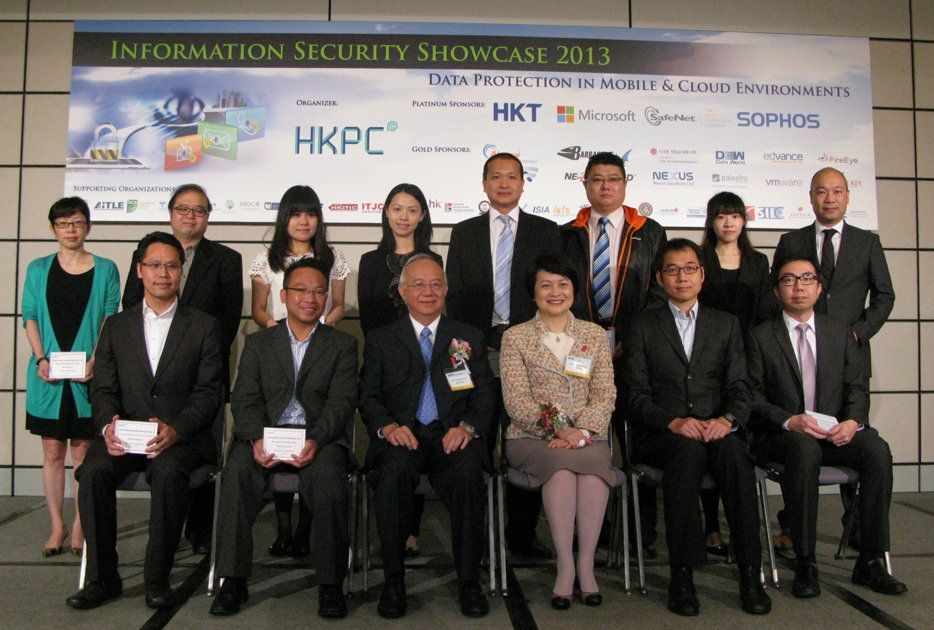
789	279
674	270
61	224
200	211
599	180
170	267
303	292
435	286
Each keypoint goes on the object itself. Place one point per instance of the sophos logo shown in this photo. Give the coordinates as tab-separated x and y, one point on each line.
775	119
339	140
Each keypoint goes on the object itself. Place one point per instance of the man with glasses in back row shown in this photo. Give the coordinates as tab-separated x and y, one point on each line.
212	282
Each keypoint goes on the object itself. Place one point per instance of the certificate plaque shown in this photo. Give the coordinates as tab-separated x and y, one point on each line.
64	365
824	421
282	443
135	434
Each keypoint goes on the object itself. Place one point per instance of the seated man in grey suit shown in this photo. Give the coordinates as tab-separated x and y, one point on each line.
428	407
802	365
157	361
688	404
298	374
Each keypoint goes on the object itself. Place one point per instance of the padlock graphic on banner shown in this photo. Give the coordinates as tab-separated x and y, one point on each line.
106	143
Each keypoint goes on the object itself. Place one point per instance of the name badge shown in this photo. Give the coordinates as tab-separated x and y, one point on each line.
459	380
578	366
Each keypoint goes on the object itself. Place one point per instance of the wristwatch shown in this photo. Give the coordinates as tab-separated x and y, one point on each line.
41	359
587	433
469	429
732	420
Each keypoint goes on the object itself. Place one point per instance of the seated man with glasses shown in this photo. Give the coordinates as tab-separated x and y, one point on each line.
158	362
427	401
298	374
810	408
688	403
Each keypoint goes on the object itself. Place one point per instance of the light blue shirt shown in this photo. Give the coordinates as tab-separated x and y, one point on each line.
294	413
686	324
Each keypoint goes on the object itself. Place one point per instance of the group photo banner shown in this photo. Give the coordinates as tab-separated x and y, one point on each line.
249	109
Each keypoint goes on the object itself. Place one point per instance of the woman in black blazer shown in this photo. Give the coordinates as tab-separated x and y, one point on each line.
737	281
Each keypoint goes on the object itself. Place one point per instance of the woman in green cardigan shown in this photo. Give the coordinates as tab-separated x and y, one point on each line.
66	298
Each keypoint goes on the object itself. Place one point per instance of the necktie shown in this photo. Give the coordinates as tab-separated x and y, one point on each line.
503	269
427	408
808	366
601	272
827	256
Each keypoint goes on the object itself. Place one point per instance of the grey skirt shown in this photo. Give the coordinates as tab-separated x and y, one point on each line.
533	457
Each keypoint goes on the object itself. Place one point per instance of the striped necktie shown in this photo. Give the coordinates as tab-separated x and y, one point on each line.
601	272
503	269
427	407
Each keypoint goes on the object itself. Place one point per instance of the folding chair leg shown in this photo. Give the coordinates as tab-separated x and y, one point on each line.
888	562
637	519
365	545
491	531
847	527
501	491
212	577
624	504
352	527
767	518
82	573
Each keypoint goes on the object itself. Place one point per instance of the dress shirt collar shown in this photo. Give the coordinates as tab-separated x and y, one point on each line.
791	323
496	214
433	327
616	219
819	227
150	314
678	313
295	340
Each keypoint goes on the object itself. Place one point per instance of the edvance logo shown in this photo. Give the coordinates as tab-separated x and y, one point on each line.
516	112
775	119
338	140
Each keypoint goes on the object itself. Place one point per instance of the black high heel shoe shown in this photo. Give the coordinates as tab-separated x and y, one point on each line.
282	546
560	602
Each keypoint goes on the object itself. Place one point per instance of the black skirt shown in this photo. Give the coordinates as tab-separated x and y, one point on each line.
68	426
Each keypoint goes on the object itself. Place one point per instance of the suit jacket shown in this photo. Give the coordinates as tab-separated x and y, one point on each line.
664	385
394	371
186	390
635	287
326	385
859	269
214	285
470	269
750	298
775	378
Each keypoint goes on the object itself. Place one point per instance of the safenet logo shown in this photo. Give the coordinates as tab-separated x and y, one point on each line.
656	118
730	157
565	113
338	140
781	120
516	112
771	212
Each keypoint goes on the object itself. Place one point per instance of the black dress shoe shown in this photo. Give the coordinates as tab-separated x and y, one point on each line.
158	596
473	601
232	594
392	600
751	593
531	548
560	603
300	548
805	583
201	546
282	546
94	594
716	546
682	597
331	602
591	599
872	573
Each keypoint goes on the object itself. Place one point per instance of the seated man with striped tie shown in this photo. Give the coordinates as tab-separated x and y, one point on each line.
810	407
427	401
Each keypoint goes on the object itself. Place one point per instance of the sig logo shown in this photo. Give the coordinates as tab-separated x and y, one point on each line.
340	140
780	120
516	112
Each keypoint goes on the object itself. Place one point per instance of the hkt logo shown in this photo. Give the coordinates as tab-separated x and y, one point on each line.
730	157
565	113
774	119
516	112
337	140
771	212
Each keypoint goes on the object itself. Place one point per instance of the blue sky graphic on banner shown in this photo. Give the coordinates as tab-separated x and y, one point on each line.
248	109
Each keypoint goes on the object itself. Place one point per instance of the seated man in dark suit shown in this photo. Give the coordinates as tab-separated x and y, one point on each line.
426	399
807	363
298	374
686	375
157	361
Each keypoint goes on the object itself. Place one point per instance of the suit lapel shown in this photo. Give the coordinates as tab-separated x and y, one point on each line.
784	342
318	345
177	330
137	338
701	334
409	338
282	350
204	255
482	247
666	322
850	249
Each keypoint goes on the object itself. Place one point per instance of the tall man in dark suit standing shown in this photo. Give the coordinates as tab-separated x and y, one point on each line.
614	247
852	265
298	374
487	261
157	361
426	397
212	282
688	405
807	363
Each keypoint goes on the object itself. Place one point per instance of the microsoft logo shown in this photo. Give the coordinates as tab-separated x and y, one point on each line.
565	113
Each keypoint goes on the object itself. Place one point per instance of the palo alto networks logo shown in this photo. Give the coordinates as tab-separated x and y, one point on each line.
565	113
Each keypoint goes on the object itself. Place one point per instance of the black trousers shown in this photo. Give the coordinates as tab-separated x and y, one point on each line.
684	462
457	478
803	456
167	475
323	486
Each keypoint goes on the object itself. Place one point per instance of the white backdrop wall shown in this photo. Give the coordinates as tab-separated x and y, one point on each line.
35	54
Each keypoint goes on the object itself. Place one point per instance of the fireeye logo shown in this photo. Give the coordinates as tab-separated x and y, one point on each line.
565	113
